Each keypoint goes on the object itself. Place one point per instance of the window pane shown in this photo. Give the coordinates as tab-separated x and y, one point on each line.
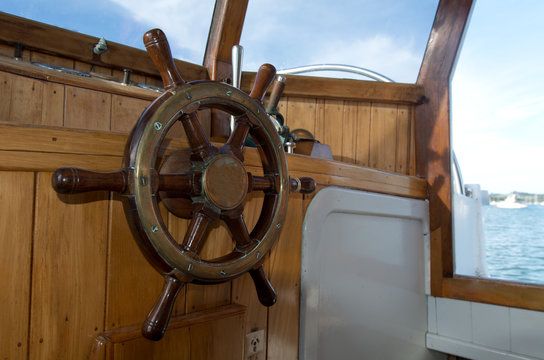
387	36
498	113
186	23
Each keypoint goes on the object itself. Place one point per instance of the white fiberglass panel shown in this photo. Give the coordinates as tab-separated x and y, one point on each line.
363	277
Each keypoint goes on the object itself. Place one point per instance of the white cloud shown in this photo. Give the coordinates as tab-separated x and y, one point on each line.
185	23
379	53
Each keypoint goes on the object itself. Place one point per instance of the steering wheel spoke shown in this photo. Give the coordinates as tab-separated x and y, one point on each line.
197	229
267	183
237	226
235	143
201	147
186	184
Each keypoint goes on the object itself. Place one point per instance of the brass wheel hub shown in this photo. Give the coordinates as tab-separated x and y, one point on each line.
224	182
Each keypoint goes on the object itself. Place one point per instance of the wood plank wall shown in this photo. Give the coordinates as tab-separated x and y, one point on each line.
71	270
371	134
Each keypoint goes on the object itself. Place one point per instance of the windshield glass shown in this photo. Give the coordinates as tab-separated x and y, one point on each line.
388	37
497	108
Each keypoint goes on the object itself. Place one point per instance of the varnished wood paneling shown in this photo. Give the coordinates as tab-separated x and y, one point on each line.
403	142
383	134
300	114
26	100
94	69
5	95
133	284
16	214
39	57
283	317
125	112
349	132
362	149
87	109
53	104
69	272
219	340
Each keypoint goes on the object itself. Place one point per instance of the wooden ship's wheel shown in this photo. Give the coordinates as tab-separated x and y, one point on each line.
204	183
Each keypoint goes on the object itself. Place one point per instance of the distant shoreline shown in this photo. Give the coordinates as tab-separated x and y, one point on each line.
521	197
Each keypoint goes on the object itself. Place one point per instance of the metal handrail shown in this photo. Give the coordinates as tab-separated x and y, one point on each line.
336	67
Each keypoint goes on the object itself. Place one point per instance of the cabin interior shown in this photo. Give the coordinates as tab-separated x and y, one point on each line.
75	285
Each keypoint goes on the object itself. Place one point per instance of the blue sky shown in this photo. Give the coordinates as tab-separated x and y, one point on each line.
498	97
497	92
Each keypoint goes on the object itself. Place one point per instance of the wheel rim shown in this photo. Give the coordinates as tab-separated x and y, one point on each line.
144	148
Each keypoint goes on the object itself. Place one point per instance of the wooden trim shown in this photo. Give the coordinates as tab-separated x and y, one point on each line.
34	148
26	69
505	293
433	148
225	31
433	162
61	42
346	89
176	322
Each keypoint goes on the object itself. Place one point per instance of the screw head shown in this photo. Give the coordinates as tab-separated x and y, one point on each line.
189	267
188	96
229	92
154	228
223	272
157	125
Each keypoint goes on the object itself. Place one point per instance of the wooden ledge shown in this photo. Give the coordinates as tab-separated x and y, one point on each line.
22	68
346	89
133	332
57	41
103	342
38	148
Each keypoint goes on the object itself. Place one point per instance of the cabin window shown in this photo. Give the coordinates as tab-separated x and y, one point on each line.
186	23
388	37
497	129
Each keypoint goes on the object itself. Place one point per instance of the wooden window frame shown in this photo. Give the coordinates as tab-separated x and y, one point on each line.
433	156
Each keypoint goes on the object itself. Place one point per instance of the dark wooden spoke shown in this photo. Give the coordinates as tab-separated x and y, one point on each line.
265	183
265	291
181	185
235	143
238	230
158	48
265	219
200	145
157	320
75	181
196	231
263	79
303	185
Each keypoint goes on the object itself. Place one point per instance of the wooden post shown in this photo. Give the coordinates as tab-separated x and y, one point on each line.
225	31
433	136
